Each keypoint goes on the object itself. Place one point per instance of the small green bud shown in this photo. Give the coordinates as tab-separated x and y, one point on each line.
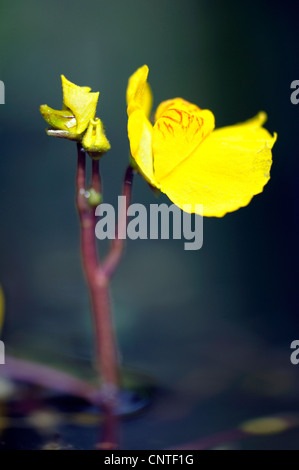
94	141
94	198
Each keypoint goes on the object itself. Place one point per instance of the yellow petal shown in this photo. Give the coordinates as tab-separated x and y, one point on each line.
254	123
80	101
225	171
140	137
181	126
1	308
139	94
83	88
63	120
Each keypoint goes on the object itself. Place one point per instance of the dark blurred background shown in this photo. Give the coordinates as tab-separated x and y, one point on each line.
213	327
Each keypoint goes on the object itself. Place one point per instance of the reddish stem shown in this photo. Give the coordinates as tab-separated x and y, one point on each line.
98	283
117	246
98	277
95	176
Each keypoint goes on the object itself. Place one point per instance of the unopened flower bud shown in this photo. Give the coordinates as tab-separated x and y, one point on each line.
94	141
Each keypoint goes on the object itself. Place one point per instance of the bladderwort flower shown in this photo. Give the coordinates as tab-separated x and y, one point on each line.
77	121
185	158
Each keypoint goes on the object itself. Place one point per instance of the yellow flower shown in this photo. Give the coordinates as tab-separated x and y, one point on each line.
79	107
77	121
184	157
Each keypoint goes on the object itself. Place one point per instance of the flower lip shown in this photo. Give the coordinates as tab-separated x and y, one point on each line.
179	129
191	162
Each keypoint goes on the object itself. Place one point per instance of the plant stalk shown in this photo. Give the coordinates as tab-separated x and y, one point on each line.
98	277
